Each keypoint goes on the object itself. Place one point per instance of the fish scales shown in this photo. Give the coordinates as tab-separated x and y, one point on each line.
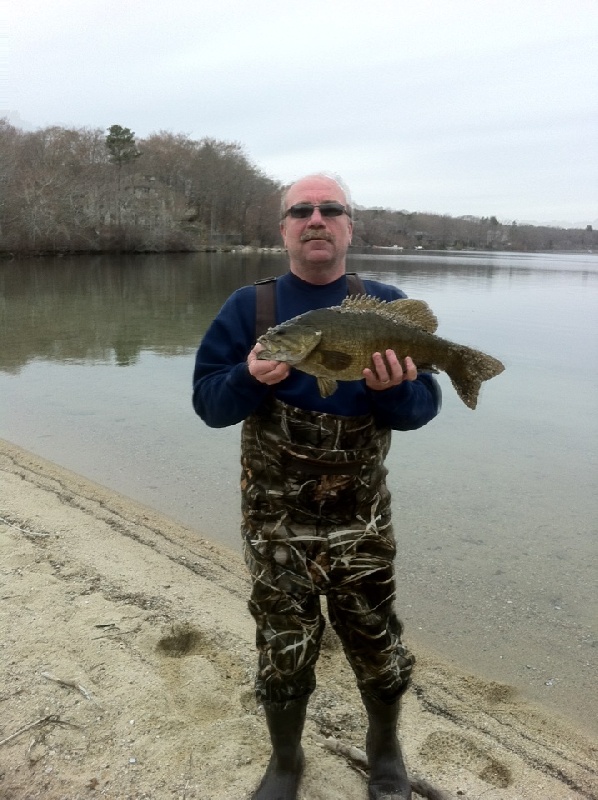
337	343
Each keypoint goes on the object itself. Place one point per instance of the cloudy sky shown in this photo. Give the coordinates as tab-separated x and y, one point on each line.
450	106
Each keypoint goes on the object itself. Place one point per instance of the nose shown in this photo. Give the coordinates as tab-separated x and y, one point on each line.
316	220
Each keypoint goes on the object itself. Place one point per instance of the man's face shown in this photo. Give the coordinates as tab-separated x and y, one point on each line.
317	245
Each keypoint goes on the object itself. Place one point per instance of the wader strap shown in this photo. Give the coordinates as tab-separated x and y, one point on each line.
354	284
265	305
265	300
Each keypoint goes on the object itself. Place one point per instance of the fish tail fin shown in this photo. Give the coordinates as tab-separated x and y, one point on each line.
467	371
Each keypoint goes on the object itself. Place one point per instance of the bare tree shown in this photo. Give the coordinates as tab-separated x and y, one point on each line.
60	192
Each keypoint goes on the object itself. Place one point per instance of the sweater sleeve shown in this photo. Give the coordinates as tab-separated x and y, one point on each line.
224	392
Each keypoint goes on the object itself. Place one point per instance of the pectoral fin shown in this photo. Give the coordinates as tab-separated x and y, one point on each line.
335	359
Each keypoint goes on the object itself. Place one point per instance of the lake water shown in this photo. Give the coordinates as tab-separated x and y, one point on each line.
495	510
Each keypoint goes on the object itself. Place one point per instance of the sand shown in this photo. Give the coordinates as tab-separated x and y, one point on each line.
127	656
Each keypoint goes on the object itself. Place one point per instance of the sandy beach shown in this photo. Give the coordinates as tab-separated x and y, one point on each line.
127	656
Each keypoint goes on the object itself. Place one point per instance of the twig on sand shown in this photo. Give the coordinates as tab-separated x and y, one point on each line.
41	721
69	684
353	754
22	530
113	631
360	759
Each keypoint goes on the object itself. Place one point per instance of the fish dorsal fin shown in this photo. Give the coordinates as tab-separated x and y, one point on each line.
413	312
416	312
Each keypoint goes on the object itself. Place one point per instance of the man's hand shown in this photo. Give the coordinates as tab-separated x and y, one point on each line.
389	371
268	372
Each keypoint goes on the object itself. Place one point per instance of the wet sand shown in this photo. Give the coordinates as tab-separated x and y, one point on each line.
128	661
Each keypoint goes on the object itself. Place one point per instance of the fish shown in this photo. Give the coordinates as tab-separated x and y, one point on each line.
336	344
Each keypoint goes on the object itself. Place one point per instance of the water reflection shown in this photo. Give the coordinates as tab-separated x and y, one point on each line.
464	261
108	309
435	270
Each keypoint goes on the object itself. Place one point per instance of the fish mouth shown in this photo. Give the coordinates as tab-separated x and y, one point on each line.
316	234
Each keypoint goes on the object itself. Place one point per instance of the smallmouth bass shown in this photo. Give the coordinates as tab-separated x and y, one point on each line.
337	343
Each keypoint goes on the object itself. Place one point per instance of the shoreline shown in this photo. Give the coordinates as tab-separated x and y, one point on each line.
396	250
103	594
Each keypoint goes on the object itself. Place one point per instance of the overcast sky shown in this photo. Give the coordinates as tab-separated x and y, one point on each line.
450	106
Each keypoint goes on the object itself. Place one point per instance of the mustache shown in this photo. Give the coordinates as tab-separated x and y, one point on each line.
316	233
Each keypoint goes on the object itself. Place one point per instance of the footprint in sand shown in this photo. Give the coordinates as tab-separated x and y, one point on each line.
445	747
196	676
181	640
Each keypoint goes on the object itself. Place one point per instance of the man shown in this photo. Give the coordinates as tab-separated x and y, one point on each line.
316	510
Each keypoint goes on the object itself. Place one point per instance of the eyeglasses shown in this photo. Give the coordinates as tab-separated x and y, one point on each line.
305	210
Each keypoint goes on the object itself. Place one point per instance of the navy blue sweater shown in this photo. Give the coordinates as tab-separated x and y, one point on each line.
225	393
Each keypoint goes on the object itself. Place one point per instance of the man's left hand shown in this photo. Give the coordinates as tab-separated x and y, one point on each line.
388	371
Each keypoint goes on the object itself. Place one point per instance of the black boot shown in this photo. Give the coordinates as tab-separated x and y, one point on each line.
388	776
283	775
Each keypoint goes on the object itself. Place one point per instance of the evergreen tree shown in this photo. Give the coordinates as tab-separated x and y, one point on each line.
121	145
122	150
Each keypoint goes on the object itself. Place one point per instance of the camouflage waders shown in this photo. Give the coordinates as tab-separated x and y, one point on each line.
316	520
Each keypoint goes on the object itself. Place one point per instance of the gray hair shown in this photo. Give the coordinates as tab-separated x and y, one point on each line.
329	177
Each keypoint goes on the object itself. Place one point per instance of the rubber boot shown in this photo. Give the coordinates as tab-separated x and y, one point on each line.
388	776
283	774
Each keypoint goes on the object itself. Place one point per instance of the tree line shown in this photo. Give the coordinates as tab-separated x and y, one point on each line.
404	229
70	190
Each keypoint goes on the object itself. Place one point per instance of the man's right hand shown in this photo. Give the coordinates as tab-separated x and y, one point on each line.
268	372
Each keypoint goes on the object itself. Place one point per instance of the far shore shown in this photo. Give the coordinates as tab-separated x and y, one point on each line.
208	248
